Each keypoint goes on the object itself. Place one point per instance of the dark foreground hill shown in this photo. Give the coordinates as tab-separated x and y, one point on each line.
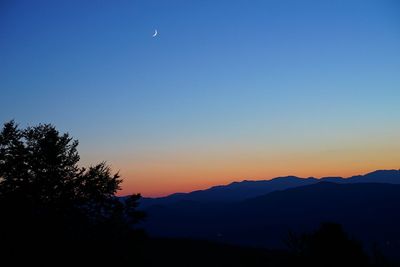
186	252
239	191
369	211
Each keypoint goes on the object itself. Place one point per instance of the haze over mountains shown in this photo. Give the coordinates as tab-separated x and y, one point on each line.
260	213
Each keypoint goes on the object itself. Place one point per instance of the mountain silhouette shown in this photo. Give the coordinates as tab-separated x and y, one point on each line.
239	191
367	210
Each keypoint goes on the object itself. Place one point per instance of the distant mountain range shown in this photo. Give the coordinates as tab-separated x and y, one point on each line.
239	191
260	213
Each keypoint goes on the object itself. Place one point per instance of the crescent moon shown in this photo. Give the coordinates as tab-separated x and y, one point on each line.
155	33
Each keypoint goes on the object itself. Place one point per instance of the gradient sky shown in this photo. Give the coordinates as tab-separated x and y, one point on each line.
228	90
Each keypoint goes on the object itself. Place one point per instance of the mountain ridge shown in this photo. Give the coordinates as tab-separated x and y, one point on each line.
369	211
245	189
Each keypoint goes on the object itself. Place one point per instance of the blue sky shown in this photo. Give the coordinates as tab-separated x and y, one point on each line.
256	78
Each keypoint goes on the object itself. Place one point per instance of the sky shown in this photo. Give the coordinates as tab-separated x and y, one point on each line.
228	90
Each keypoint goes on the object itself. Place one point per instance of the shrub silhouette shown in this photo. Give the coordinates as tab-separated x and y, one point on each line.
328	246
52	207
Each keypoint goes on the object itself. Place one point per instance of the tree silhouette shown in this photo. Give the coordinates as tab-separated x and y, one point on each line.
46	198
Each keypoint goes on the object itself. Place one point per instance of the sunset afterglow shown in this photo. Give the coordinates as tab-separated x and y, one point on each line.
224	91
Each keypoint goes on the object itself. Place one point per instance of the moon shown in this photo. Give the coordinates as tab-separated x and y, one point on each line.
155	33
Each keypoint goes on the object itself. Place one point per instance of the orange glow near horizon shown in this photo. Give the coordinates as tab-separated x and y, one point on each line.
164	188
161	180
161	169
